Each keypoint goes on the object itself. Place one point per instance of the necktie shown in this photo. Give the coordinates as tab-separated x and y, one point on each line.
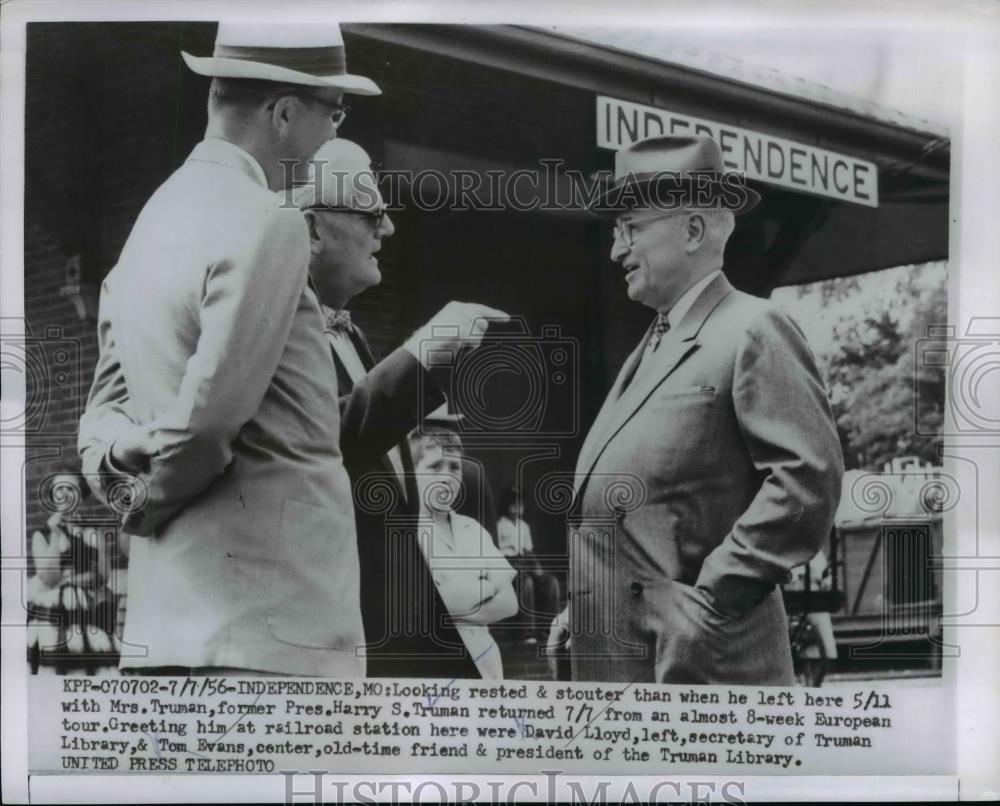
660	328
337	321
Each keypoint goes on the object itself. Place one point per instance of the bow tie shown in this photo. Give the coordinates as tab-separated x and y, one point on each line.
337	321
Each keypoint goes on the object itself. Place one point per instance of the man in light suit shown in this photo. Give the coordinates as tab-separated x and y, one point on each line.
713	467
408	630
243	556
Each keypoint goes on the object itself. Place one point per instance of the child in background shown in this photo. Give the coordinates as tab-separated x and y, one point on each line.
539	591
473	578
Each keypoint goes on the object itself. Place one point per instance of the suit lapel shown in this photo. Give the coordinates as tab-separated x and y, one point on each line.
632	388
409	480
361	345
409	477
593	442
345	385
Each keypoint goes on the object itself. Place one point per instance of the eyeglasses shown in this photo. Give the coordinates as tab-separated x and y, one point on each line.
337	111
625	229
377	217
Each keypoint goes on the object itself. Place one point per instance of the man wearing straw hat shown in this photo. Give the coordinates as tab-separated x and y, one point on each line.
408	631
243	557
713	467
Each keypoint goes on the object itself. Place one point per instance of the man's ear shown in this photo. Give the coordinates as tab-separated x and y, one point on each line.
315	232
282	112
694	233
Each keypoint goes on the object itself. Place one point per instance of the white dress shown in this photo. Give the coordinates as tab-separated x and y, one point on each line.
460	568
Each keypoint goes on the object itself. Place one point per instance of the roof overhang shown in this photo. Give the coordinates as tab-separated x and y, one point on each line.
800	238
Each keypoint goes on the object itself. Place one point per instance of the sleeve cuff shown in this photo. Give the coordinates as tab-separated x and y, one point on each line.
428	354
109	465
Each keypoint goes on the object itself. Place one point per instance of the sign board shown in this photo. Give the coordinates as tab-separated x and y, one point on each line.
756	155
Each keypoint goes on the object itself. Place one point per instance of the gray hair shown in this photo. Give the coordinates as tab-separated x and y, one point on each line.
720	224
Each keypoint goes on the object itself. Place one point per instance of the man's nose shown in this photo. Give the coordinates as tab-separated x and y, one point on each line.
387	227
618	248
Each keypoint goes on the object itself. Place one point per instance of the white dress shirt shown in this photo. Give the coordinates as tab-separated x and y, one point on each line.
514	537
674	317
676	314
459	564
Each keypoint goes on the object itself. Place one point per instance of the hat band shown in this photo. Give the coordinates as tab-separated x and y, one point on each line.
326	61
685	175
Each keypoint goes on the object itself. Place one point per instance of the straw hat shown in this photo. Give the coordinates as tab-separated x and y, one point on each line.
312	55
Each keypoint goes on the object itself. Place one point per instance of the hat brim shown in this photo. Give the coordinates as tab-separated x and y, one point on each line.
216	67
445	419
612	199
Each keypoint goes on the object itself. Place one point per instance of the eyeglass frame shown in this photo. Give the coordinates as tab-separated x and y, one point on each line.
376	217
339	113
619	230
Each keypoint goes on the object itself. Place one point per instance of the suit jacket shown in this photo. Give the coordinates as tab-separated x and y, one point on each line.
243	529
408	630
704	479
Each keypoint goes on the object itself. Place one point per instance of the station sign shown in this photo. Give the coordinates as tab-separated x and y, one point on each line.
757	155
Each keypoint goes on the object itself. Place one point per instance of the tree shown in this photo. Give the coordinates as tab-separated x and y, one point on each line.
886	400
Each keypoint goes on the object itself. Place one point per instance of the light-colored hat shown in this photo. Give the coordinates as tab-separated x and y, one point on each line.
312	55
340	175
683	170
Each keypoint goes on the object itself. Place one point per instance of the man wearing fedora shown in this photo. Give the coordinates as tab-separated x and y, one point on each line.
719	424
243	556
408	631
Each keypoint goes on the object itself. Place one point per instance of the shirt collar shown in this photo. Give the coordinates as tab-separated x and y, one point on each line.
676	314
213	149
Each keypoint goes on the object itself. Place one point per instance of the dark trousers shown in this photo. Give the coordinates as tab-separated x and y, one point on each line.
538	593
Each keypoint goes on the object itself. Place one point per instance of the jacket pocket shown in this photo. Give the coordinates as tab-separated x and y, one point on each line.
682	398
703	390
313	600
697	600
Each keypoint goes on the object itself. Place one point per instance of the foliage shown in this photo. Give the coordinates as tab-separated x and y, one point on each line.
886	401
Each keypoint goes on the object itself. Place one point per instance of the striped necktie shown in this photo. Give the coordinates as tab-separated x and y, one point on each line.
660	328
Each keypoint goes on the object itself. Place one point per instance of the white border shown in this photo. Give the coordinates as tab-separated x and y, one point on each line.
975	250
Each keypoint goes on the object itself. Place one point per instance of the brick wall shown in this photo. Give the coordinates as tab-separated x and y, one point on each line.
105	122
